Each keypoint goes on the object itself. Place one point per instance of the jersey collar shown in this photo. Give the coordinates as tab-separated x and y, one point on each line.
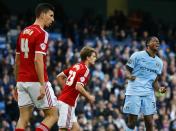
149	54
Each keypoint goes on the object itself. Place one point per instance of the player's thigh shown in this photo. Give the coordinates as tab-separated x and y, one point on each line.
53	111
49	99
24	98
25	112
149	105
66	115
132	104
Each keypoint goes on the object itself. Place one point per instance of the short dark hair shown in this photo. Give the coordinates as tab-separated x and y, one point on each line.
43	8
87	52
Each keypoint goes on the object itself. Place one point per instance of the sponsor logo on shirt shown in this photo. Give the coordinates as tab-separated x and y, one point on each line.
148	69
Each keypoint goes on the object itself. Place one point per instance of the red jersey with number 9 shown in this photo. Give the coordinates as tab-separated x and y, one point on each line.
31	40
78	73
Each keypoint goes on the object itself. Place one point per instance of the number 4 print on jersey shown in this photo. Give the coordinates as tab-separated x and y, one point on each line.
24	47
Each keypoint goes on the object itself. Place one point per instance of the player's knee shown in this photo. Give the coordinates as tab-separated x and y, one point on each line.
56	117
131	124
53	115
75	127
149	123
23	121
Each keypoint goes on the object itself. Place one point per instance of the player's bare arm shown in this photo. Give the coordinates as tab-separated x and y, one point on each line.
39	67
83	92
61	78
157	87
128	73
17	63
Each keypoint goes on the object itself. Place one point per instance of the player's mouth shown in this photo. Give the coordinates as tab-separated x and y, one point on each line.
157	46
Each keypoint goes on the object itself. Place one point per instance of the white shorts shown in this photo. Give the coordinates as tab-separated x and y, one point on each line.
66	115
29	91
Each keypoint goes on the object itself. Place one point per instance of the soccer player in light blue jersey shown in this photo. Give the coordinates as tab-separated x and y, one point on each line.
143	70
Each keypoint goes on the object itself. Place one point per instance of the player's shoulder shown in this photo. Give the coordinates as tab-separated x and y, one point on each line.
35	29
80	67
76	67
141	52
138	53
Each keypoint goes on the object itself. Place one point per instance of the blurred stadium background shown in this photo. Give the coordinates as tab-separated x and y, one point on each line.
116	28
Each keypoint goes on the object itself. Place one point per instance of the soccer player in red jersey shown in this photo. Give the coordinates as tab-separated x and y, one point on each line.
33	87
73	81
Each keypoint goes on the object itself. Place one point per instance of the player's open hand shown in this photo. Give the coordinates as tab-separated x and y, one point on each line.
42	93
162	89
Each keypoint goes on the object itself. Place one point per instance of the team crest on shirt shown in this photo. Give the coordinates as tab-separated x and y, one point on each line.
82	79
43	46
157	64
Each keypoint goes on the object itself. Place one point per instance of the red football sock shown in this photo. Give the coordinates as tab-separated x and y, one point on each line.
18	129
42	127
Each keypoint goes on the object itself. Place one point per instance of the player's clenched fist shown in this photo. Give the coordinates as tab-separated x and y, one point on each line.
162	89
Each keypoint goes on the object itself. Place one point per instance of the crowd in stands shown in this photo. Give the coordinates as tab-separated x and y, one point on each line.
115	39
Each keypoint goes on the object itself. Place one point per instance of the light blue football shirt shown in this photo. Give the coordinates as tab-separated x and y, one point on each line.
146	69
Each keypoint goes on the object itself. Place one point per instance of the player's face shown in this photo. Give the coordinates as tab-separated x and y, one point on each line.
92	59
154	44
49	18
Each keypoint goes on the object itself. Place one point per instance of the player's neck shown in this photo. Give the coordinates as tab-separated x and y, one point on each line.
39	22
151	53
86	63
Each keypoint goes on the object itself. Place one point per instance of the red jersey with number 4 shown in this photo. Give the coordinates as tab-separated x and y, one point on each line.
78	73
31	40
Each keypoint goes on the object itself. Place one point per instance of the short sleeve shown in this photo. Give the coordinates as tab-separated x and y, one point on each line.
82	77
66	71
132	61
41	43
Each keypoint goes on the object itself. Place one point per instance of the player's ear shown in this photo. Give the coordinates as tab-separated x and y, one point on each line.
42	15
87	58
